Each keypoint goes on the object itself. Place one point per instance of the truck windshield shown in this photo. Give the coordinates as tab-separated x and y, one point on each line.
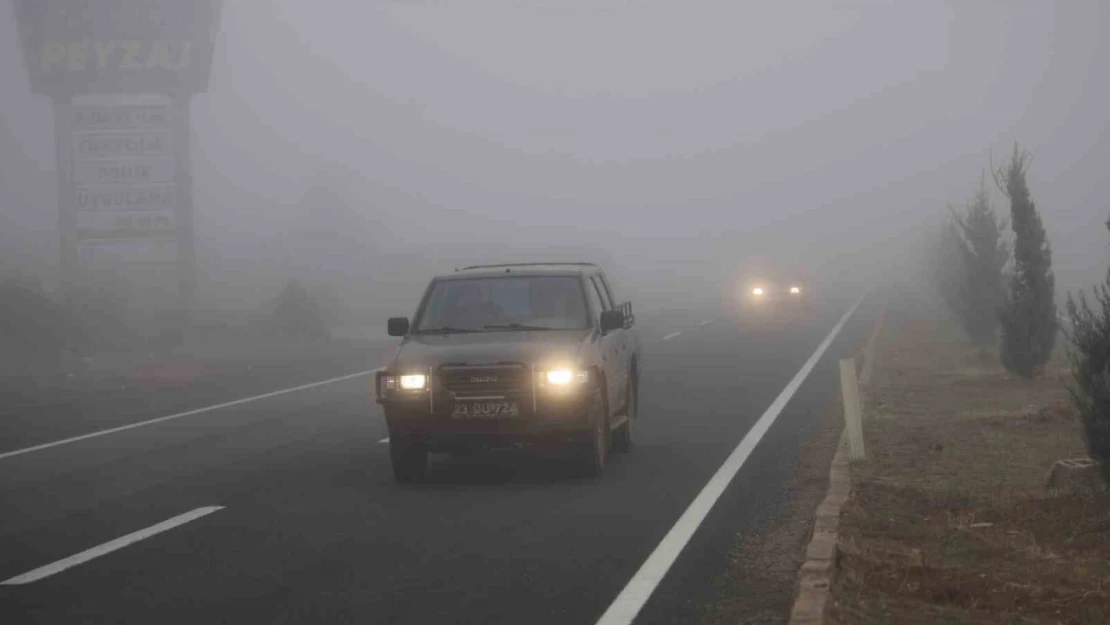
503	304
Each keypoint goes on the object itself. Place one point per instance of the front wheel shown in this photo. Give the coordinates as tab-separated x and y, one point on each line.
622	437
409	458
594	453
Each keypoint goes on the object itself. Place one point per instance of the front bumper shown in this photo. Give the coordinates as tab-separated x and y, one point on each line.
772	312
444	433
544	418
775	302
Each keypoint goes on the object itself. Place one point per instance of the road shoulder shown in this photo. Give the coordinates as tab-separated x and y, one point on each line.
759	587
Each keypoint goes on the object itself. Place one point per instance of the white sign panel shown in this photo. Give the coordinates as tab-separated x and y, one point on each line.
123	171
126	197
125	200
123	224
92	252
123	116
122	144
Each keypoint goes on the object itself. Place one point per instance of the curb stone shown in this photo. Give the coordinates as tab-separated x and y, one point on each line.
818	572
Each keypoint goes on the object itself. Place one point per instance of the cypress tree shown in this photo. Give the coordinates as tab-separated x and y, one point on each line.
1028	313
947	268
983	256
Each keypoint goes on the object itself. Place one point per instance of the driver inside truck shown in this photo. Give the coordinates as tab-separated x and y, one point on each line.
471	310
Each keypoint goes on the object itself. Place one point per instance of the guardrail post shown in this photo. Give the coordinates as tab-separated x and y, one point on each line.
853	418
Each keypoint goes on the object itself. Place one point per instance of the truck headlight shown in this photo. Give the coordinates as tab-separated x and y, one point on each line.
565	377
393	383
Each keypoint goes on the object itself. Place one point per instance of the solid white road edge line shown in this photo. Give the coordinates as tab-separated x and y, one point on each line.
188	413
108	547
671	336
628	603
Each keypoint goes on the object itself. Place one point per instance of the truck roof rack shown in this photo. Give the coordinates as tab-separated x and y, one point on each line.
498	266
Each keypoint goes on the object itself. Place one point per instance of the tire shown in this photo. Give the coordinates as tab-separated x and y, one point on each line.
409	458
622	437
593	455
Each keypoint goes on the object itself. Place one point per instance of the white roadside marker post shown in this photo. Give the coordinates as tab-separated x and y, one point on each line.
853	421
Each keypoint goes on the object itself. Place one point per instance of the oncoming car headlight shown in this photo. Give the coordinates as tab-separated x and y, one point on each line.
757	291
794	290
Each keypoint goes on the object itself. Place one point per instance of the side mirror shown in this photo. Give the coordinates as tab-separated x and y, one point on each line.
612	320
398	326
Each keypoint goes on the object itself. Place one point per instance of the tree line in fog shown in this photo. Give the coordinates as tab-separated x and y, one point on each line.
994	272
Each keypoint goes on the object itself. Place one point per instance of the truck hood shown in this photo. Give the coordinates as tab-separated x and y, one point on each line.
484	348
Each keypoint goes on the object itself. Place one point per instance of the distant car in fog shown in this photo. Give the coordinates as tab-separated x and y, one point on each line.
775	292
534	354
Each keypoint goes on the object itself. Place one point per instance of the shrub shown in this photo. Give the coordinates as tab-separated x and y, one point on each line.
946	268
96	316
297	314
31	324
1090	358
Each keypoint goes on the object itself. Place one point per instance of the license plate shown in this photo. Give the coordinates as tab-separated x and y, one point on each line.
485	409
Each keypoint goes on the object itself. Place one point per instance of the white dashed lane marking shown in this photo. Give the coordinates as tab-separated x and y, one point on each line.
108	547
188	413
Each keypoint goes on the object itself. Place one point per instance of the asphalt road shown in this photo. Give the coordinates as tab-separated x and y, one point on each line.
313	529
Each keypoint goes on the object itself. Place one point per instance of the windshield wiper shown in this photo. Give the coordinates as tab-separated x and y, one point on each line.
515	326
446	330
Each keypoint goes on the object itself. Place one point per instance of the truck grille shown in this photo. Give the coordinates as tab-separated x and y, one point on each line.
490	380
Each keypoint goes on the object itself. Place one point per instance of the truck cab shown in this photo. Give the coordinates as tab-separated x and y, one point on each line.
535	355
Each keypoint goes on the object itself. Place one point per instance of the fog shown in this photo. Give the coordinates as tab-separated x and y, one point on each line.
368	145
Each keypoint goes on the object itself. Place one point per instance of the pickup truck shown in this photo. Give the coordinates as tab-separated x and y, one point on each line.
526	355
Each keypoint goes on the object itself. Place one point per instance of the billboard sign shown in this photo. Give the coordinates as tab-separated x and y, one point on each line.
120	74
118	46
125	188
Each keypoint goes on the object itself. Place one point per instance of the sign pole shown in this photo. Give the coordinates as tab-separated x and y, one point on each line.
186	237
67	239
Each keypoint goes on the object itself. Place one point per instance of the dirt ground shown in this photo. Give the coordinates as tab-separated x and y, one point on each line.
949	520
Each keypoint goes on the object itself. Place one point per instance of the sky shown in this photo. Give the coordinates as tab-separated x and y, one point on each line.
677	139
